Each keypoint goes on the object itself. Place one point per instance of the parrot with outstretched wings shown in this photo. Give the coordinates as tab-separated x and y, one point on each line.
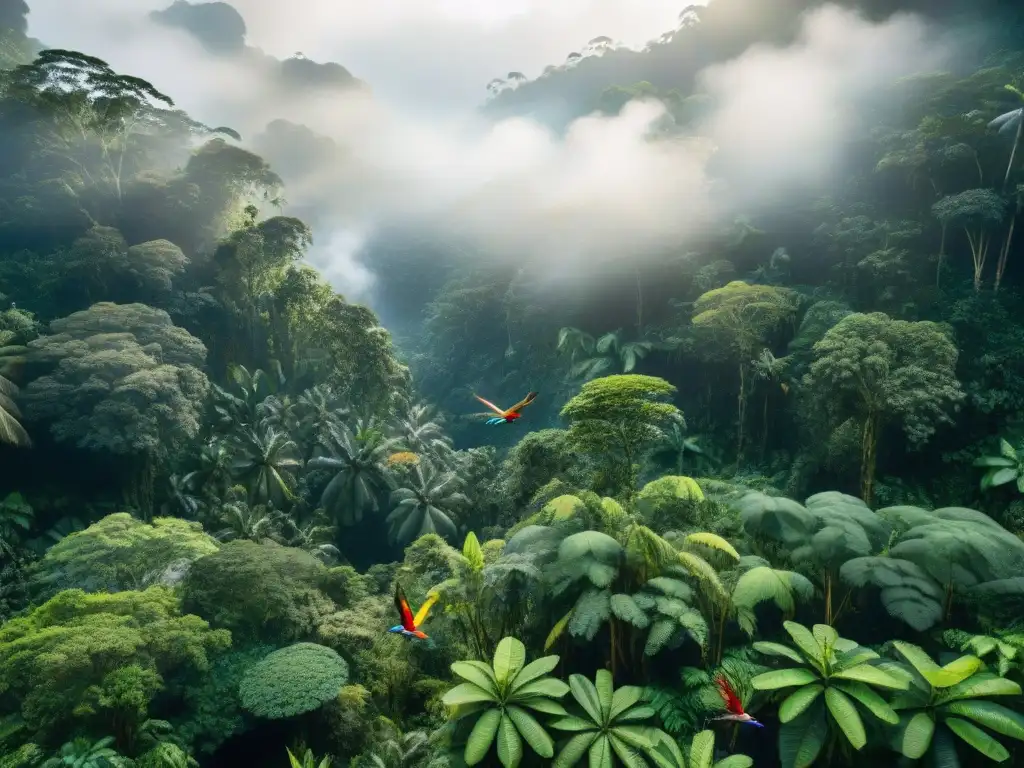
733	706
509	415
410	626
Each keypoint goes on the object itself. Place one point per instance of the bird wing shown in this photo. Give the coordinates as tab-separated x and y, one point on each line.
491	405
732	701
404	612
421	614
521	404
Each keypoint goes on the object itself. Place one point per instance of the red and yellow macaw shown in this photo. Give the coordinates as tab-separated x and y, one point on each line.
509	415
410	626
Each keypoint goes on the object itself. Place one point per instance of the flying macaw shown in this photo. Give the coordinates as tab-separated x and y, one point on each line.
506	416
734	709
410	626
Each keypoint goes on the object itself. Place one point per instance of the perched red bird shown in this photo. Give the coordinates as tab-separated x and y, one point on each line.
410	626
508	415
734	709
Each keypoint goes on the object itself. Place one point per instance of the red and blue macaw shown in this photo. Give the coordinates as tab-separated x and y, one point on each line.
410	626
508	415
734	709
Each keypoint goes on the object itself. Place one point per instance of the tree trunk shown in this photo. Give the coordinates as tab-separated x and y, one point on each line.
1013	152
1005	252
741	413
942	255
979	250
138	492
868	456
764	425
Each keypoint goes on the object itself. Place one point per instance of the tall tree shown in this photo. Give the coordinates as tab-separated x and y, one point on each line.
742	317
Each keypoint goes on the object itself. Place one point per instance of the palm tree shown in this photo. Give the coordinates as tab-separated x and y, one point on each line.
360	474
317	408
315	536
181	497
426	505
1011	121
11	430
241	406
394	749
241	521
14	513
213	478
422	434
267	463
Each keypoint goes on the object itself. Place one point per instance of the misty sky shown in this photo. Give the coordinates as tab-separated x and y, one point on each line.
422	53
416	155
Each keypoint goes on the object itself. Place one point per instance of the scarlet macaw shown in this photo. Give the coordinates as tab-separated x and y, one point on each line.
506	416
734	709
410	626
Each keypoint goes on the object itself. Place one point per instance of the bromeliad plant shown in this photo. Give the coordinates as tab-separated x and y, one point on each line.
942	702
832	675
610	723
499	696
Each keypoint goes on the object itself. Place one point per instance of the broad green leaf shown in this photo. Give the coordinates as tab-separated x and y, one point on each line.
1002	477
509	658
914	735
510	744
978	739
994	716
940	677
778	649
573	723
546	686
870	700
639	736
783	678
601	753
624	698
943	752
846	717
628	754
542	704
801	740
574	750
586	694
466	693
865	673
481	737
979	686
635	714
477	673
825	636
531	731
605	689
806	643
533	670
702	750
735	761
797	702
993	461
1006	450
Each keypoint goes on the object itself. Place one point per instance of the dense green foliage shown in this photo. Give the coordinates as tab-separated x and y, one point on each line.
217	469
